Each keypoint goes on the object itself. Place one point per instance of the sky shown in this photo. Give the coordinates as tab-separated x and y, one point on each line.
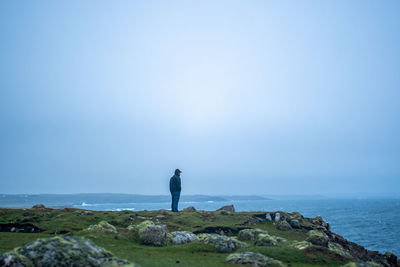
245	97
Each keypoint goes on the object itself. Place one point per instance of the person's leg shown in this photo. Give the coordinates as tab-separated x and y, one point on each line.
172	202
178	194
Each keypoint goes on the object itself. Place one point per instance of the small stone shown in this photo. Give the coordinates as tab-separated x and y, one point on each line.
190	208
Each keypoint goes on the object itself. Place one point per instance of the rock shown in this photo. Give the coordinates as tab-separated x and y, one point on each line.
181	237
300	244
250	234
277	216
152	234
317	238
268	217
164	212
230	208
296	215
253	259
160	216
221	243
265	240
103	226
338	249
294	223
190	208
39	206
283	225
61	251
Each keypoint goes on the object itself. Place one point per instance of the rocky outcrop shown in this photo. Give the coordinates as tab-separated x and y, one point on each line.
221	243
229	208
61	251
181	237
252	259
152	234
103	226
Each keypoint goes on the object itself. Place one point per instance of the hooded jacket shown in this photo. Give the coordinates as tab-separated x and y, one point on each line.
175	183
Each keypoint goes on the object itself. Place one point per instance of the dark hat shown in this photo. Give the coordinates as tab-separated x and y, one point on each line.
177	171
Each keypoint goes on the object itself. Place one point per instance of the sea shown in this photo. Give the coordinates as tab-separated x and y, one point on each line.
373	222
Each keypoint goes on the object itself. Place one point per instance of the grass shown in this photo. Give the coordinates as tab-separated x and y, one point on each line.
125	244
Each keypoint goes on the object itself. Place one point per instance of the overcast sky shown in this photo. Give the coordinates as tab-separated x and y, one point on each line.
245	97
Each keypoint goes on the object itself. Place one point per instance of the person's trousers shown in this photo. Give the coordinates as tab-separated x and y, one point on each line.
175	199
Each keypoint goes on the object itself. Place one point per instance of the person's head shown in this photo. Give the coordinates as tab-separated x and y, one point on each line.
178	172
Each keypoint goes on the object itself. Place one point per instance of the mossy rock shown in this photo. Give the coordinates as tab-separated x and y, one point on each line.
152	234
181	237
221	243
61	251
300	244
250	234
253	259
317	238
266	240
103	226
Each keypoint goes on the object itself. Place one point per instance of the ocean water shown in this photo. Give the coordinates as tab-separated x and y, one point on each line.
373	223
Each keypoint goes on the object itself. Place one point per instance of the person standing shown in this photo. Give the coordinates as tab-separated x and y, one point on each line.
175	189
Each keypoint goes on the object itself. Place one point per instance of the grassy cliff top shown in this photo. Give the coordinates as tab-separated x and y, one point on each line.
21	226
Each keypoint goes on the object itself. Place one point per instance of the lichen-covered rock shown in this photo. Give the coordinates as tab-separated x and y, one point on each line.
300	244
181	237
283	225
250	234
152	234
221	243
103	226
252	259
230	208
338	249
61	251
190	208
318	238
265	240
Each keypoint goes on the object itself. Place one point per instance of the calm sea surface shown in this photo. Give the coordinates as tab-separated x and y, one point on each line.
373	223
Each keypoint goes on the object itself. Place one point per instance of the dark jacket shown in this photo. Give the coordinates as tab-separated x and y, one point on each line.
175	183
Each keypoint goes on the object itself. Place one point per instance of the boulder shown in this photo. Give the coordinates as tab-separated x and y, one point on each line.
61	251
338	249
39	206
221	243
283	225
152	234
294	223
181	237
230	208
300	244
190	208
265	240
277	217
317	238
268	217
252	259
250	234
103	226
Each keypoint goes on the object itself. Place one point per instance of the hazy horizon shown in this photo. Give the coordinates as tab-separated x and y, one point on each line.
246	98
